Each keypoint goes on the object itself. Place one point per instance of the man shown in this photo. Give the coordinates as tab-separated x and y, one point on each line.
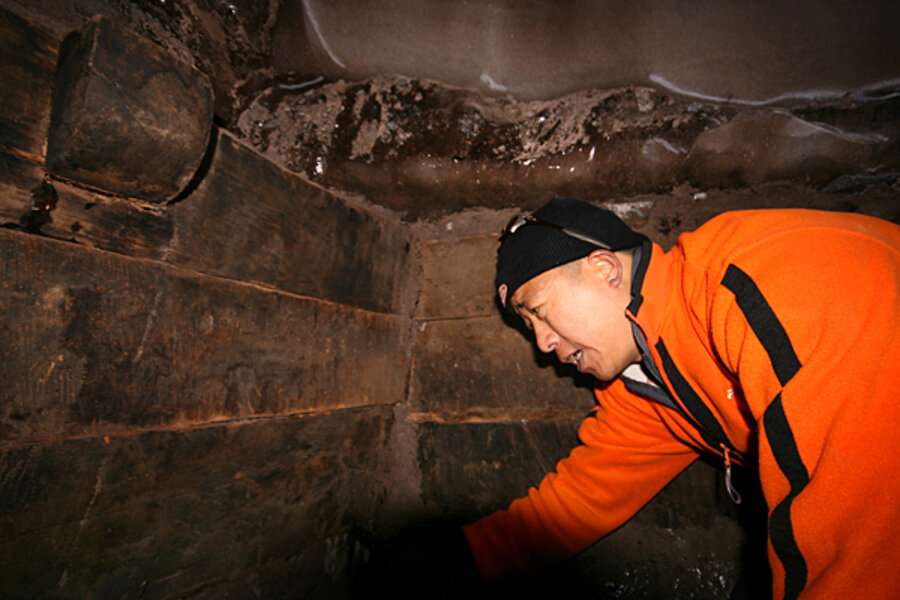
768	338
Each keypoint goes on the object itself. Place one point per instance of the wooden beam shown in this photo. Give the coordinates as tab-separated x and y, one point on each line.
98	343
263	505
247	220
27	63
252	220
128	118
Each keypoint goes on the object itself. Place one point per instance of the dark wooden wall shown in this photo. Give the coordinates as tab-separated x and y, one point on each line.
196	397
203	390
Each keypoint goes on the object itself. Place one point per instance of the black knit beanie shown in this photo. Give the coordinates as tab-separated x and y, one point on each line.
535	248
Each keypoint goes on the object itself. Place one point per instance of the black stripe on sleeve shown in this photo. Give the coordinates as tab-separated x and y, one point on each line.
764	323
710	428
784	448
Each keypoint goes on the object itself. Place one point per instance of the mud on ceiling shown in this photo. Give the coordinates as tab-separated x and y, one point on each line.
428	106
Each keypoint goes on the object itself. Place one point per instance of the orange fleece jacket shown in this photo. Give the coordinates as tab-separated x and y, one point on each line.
774	330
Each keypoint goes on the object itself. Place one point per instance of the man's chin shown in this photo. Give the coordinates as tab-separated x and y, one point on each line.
599	376
602	376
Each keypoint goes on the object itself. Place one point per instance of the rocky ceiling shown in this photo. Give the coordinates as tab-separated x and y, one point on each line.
427	107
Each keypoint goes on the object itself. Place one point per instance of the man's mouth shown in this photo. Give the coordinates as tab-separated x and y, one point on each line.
575	358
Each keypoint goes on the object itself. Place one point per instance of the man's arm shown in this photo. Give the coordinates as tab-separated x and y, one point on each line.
812	341
628	455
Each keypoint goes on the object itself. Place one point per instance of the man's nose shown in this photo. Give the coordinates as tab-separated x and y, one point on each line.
546	338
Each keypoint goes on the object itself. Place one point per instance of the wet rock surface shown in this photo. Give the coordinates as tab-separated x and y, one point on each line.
723	51
419	147
423	149
758	146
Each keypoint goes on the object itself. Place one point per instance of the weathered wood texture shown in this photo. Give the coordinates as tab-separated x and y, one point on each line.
687	541
27	62
483	367
204	487
127	117
94	343
253	221
458	278
247	219
251	510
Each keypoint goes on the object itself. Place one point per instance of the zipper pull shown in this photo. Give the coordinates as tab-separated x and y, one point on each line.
729	486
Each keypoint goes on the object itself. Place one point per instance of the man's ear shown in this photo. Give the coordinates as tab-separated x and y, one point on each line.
608	266
501	291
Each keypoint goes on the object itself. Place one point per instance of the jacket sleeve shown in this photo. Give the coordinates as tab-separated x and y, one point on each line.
809	340
627	456
800	299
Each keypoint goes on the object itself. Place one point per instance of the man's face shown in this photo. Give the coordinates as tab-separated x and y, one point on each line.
577	311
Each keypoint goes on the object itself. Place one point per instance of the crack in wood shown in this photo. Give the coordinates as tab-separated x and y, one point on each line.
98	487
535	447
151	319
107	434
491	315
495	415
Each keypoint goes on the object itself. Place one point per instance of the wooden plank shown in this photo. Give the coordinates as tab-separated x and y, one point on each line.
96	343
465	368
128	118
18	177
247	220
161	514
458	278
253	221
80	216
27	64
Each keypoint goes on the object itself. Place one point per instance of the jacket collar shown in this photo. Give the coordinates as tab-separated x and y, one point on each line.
652	285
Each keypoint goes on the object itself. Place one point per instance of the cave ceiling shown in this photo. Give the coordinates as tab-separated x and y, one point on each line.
430	106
